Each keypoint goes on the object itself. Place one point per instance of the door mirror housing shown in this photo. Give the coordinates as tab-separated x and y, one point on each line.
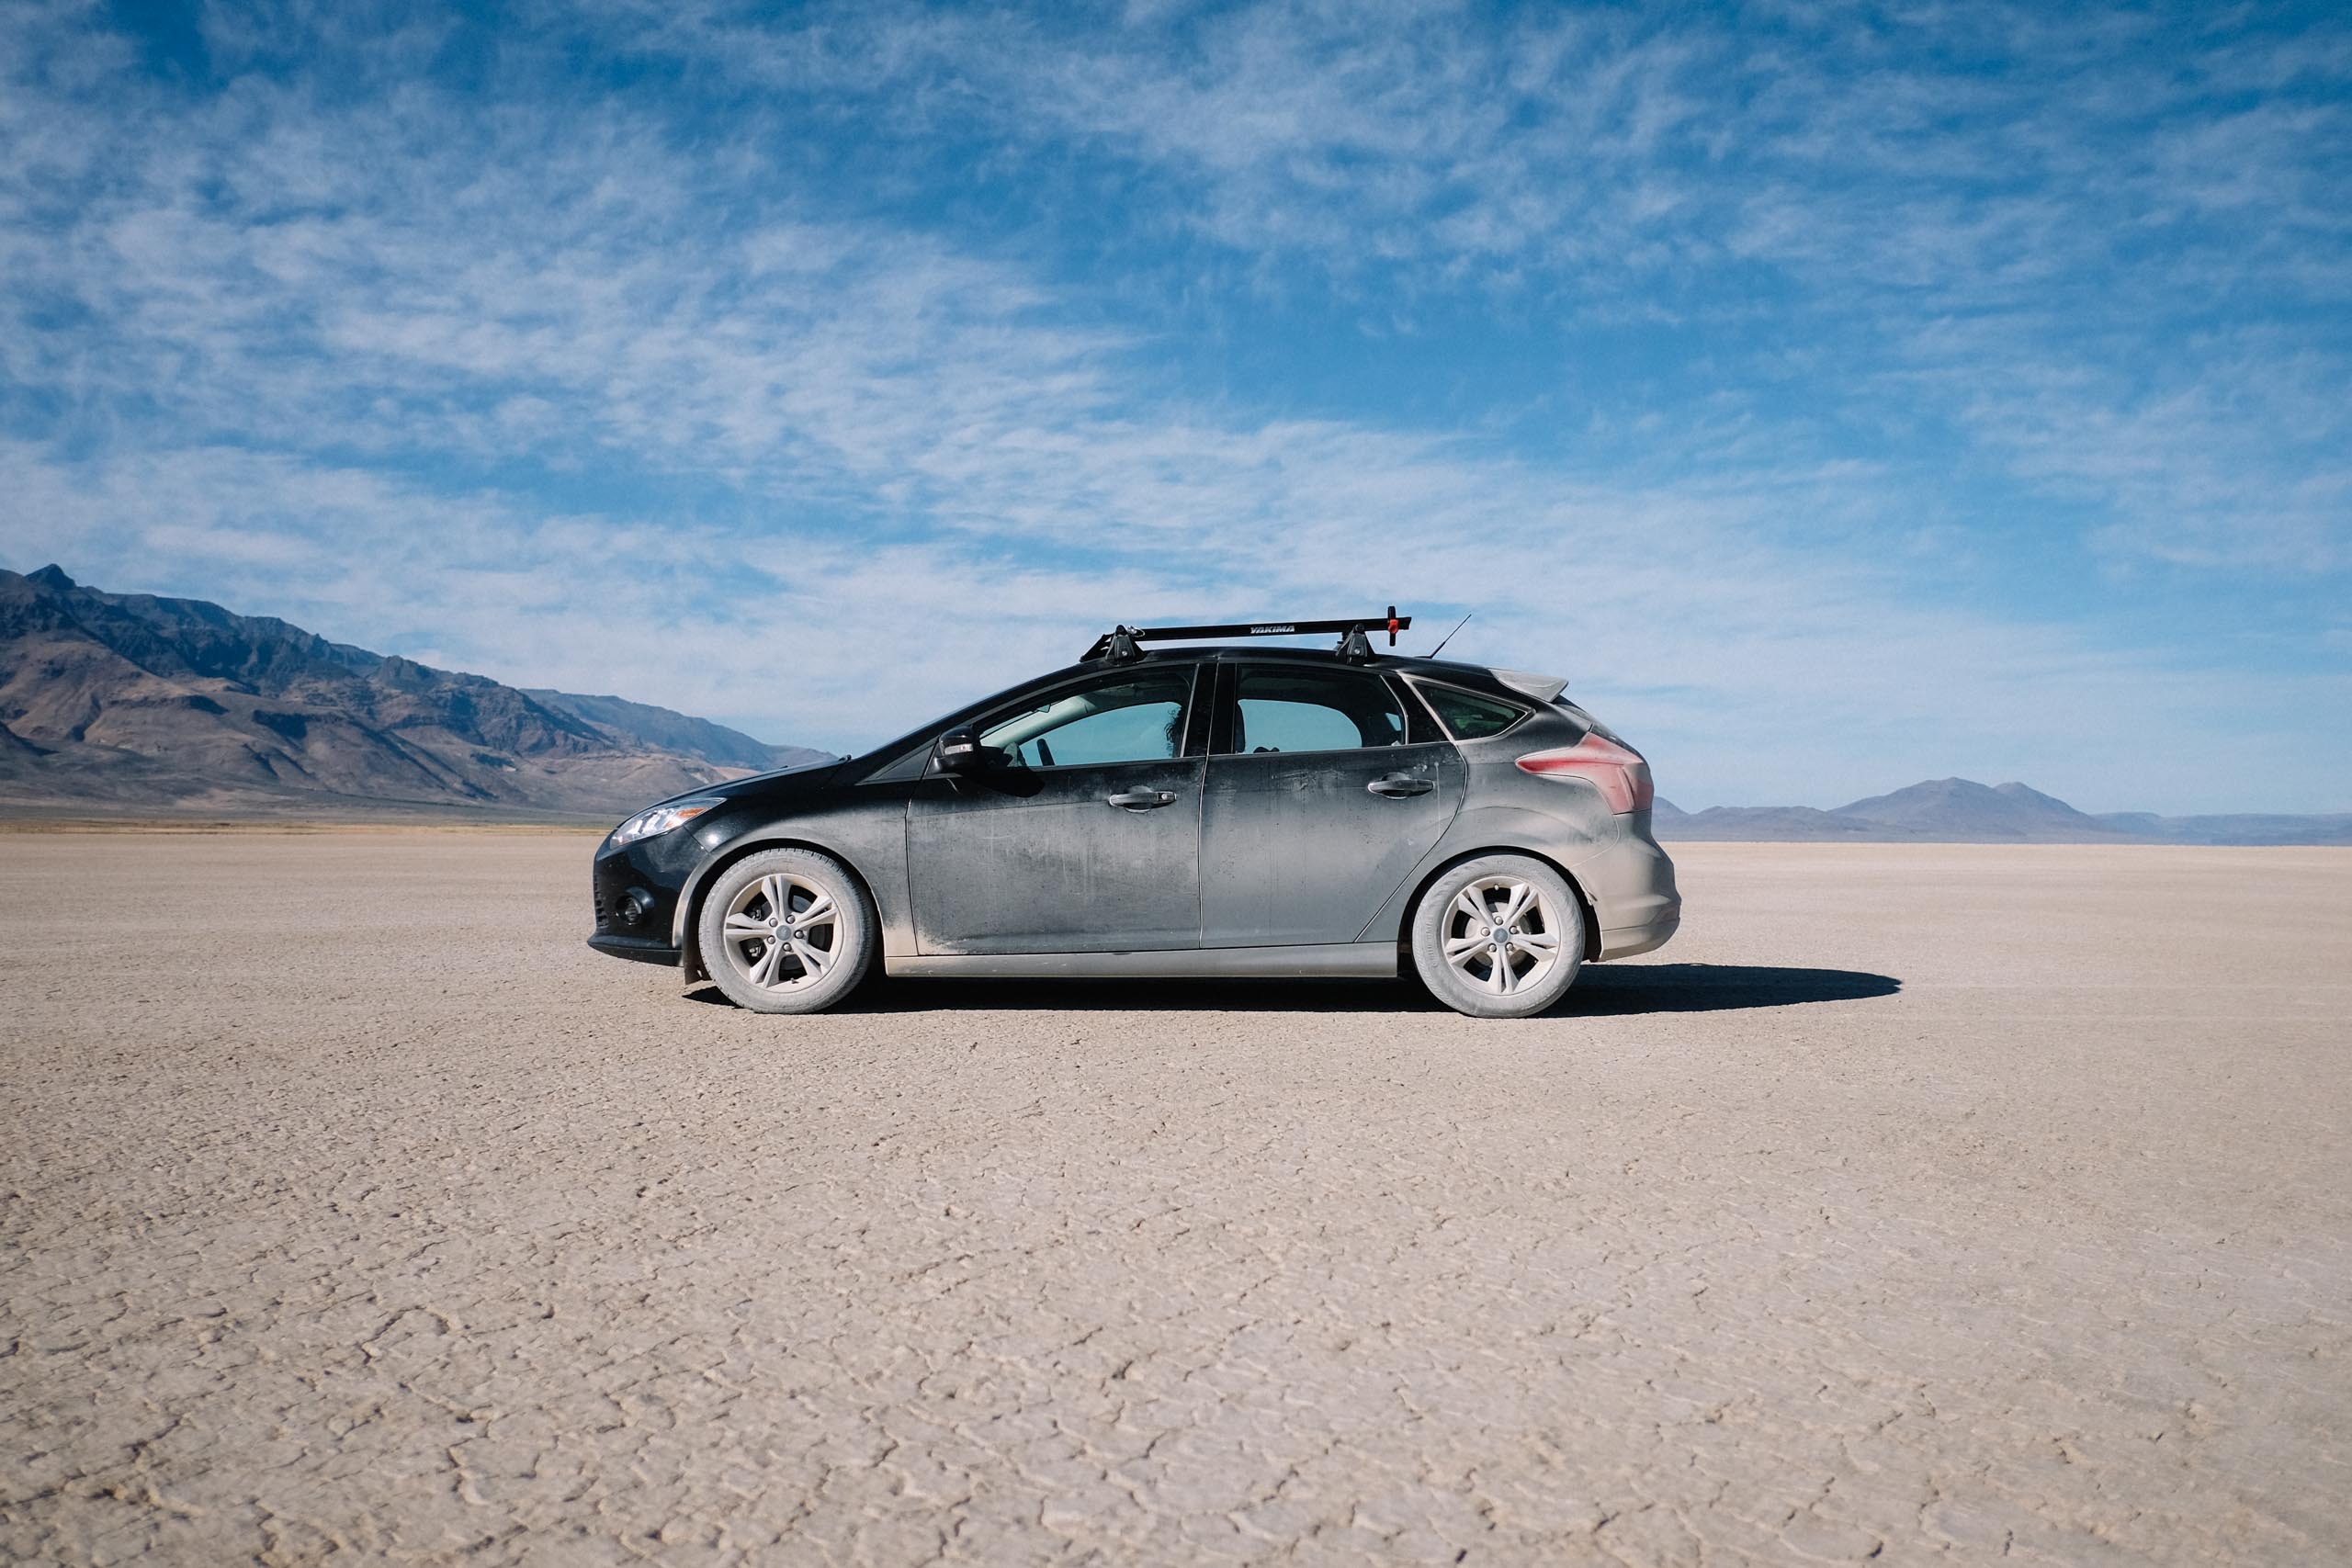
959	752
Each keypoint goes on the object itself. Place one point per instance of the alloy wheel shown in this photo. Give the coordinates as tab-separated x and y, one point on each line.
1501	935
783	933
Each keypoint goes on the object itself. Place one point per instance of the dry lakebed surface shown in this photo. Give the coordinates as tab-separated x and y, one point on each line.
1949	1204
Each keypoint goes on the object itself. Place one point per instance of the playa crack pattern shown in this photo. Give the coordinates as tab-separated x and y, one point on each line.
417	1233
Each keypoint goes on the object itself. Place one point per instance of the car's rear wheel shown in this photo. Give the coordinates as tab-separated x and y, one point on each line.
1500	936
786	930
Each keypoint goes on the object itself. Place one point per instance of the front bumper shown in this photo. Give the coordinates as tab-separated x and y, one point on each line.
633	892
644	949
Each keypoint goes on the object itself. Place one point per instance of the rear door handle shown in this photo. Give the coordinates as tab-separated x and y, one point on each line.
1140	799
1396	786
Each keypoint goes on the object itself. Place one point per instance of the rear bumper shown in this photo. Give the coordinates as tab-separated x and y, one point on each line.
1623	941
1631	885
643	949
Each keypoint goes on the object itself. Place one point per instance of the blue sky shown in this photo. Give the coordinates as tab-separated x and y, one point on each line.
1839	395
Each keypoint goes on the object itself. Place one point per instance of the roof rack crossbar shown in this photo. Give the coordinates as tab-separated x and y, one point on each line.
1120	644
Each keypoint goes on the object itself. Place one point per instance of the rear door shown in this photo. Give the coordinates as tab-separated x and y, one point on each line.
1085	840
1326	785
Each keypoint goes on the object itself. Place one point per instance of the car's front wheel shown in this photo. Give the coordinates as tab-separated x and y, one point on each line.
786	930
1500	936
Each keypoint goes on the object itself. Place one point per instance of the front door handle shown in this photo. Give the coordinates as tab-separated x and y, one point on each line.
1140	799
1396	786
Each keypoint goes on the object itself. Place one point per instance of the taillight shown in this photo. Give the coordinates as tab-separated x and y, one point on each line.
1623	778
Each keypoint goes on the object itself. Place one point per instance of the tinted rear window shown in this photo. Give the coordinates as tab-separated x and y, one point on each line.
1278	709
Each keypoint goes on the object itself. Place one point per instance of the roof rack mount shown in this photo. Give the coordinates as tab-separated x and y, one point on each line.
1122	643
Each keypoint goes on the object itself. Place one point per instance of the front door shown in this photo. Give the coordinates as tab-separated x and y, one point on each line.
1082	836
1318	802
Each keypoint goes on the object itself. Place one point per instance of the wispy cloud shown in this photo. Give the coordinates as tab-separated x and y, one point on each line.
2101	199
816	374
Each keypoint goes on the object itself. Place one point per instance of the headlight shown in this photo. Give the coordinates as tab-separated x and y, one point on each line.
662	819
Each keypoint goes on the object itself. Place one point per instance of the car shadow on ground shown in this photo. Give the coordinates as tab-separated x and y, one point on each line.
1604	991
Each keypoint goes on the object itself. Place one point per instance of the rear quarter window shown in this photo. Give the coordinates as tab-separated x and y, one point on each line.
1470	716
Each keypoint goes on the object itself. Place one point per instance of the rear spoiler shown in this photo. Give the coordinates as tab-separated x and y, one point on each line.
1542	688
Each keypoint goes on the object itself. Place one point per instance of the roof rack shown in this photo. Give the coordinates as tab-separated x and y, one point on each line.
1121	644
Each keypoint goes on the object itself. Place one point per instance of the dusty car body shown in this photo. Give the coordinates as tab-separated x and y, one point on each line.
1290	811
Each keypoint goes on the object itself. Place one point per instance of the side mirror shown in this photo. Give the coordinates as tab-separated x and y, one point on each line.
959	751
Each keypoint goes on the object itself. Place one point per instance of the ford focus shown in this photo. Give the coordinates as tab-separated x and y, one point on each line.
1173	811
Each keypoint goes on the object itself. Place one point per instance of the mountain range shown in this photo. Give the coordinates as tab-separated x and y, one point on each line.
127	703
1963	811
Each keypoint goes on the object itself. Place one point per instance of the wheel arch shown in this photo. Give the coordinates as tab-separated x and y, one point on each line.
1585	905
688	919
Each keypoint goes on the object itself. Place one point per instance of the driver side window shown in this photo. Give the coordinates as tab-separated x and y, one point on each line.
1130	719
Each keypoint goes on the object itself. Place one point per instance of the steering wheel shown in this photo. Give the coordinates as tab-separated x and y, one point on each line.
1044	752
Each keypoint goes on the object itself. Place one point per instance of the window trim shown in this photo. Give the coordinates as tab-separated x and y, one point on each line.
1418	682
1229	705
1422	725
1046	695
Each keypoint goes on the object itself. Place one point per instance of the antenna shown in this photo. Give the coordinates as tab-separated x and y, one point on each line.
1433	652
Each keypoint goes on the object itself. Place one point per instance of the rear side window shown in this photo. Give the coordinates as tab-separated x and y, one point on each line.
1313	710
1469	717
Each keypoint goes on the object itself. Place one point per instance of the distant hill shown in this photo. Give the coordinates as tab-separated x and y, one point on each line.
1759	824
117	703
2234	828
677	732
1963	811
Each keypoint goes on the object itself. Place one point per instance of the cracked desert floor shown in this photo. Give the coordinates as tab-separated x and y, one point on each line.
1946	1203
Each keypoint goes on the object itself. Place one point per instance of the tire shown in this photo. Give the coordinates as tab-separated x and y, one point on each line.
1544	943
808	974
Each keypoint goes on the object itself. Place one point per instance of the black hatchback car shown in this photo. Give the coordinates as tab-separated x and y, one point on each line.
1182	811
